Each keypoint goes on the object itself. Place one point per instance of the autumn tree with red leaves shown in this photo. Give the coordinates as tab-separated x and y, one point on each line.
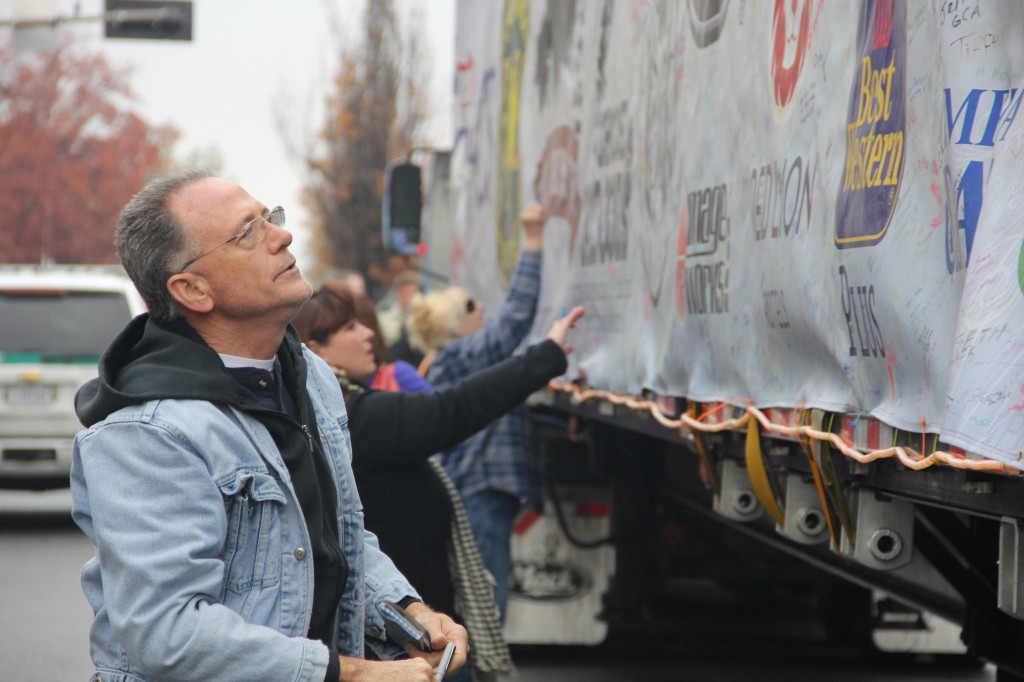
376	105
72	152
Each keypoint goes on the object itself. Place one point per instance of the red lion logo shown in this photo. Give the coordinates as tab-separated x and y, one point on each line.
791	33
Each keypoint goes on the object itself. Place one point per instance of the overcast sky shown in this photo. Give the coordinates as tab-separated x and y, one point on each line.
218	88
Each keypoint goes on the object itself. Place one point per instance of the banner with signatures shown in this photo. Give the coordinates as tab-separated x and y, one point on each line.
795	203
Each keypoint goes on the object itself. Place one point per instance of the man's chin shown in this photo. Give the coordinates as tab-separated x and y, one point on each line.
297	297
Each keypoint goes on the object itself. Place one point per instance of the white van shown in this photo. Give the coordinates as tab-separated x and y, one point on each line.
55	322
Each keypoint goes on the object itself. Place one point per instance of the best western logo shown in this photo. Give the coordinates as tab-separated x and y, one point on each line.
875	149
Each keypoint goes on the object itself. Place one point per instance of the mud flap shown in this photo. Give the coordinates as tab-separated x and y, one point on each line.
555	589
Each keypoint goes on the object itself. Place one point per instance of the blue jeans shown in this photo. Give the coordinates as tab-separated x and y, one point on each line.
491	516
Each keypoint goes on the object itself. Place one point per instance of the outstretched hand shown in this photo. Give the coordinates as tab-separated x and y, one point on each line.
560	329
533	217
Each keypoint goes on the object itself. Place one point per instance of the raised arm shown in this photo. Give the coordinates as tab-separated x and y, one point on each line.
504	331
392	429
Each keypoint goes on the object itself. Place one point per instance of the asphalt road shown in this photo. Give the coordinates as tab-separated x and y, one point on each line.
44	617
44	623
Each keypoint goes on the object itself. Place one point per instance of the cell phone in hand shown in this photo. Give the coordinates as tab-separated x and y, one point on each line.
403	628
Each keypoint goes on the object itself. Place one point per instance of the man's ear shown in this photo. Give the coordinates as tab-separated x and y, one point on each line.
313	346
192	292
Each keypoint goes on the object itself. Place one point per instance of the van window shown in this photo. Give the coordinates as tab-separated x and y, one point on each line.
59	326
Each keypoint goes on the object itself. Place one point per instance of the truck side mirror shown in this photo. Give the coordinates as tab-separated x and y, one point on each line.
403	203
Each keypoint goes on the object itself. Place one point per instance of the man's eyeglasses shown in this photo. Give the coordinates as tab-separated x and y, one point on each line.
249	238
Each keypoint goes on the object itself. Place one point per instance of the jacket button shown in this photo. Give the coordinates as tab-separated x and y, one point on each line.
299	553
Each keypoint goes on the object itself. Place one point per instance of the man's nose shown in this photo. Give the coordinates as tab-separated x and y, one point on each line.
278	237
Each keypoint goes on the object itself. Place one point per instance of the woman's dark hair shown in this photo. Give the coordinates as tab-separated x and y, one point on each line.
331	307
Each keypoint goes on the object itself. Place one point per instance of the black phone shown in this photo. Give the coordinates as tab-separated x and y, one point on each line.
403	628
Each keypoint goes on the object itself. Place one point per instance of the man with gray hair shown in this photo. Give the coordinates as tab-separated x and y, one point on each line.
214	474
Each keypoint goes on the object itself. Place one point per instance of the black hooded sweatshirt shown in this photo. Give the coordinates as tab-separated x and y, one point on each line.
151	361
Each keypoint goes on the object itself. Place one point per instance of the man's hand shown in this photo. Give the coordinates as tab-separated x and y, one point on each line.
560	329
409	670
533	217
442	630
421	664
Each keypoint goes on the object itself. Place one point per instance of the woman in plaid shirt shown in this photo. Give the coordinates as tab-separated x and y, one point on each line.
493	470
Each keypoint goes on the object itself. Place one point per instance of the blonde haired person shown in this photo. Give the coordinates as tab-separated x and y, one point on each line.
494	470
437	319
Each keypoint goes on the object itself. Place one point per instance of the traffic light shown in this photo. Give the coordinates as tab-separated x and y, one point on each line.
403	203
148	20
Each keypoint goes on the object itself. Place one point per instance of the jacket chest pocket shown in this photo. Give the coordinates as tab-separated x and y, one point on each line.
252	552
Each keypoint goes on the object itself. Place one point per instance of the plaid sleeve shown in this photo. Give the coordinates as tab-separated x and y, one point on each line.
501	335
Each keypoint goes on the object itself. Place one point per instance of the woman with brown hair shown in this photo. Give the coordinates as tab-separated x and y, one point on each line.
390	375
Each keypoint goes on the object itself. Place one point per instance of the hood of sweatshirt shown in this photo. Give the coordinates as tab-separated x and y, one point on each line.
151	361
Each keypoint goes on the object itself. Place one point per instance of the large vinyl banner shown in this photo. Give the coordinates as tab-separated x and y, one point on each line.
796	203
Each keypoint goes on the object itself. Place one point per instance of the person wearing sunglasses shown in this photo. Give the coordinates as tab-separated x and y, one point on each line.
214	474
494	470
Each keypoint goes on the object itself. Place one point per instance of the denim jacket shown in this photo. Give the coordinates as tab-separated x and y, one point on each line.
202	568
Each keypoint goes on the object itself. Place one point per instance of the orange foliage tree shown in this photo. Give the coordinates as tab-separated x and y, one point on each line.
72	153
375	106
